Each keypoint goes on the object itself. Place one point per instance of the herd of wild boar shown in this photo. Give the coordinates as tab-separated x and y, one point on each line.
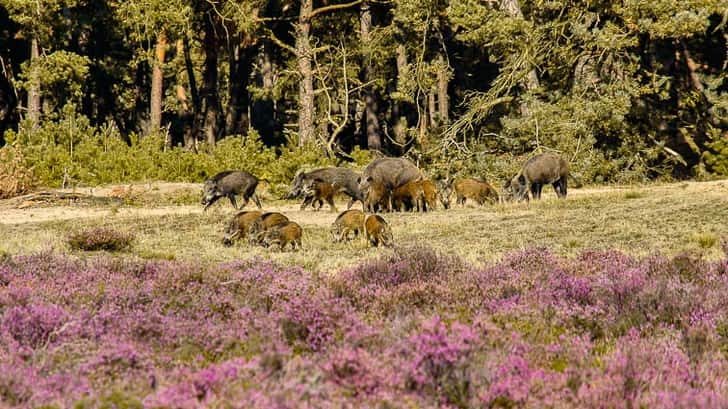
386	184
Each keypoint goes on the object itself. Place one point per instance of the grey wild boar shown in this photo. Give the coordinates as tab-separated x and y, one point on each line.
377	231
345	180
444	188
540	170
347	222
230	183
263	223
283	234
318	191
390	172
239	226
476	190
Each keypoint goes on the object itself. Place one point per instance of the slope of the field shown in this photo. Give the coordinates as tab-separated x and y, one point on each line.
640	220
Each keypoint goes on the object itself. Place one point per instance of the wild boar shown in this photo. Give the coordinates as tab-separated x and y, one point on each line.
264	222
377	197
390	172
239	226
476	190
542	169
346	181
347	222
430	192
444	188
377	231
228	184
289	232
409	196
316	191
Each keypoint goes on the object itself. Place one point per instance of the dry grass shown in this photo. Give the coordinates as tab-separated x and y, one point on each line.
670	218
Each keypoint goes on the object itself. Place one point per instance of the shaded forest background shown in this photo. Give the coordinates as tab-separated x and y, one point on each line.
111	91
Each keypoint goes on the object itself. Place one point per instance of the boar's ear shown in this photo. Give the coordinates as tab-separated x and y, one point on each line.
370	179
521	179
358	180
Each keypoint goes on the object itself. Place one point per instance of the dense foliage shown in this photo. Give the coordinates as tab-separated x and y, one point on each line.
414	329
625	90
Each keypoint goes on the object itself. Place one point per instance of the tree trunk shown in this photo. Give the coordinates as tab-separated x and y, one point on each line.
191	121
209	94
263	110
531	82
237	120
442	97
374	138
402	110
306	96
432	107
34	90
155	110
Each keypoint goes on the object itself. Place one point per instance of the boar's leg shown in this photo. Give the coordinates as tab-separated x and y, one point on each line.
560	188
257	200
330	201
306	201
231	196
535	191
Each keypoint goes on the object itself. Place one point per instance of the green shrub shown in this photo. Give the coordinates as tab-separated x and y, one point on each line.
70	151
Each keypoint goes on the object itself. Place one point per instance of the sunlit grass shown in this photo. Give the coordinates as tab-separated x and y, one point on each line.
669	219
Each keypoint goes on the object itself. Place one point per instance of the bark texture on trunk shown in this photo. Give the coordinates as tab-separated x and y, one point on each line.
156	99
237	120
443	100
209	94
306	95
34	90
531	82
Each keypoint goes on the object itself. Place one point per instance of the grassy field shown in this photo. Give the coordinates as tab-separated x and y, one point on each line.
639	220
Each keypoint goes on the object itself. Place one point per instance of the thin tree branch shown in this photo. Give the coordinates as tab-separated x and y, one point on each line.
332	7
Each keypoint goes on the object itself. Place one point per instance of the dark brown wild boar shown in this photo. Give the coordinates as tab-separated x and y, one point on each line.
475	190
228	184
284	234
239	226
377	231
542	169
347	222
262	224
346	181
409	196
377	197
316	191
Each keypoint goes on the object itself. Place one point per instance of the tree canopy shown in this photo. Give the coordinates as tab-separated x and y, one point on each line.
634	87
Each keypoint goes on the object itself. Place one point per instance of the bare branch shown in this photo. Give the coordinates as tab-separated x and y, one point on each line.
280	43
332	7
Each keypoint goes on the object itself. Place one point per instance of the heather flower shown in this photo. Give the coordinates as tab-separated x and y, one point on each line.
33	326
100	238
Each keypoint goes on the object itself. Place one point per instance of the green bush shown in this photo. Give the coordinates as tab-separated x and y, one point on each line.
72	152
